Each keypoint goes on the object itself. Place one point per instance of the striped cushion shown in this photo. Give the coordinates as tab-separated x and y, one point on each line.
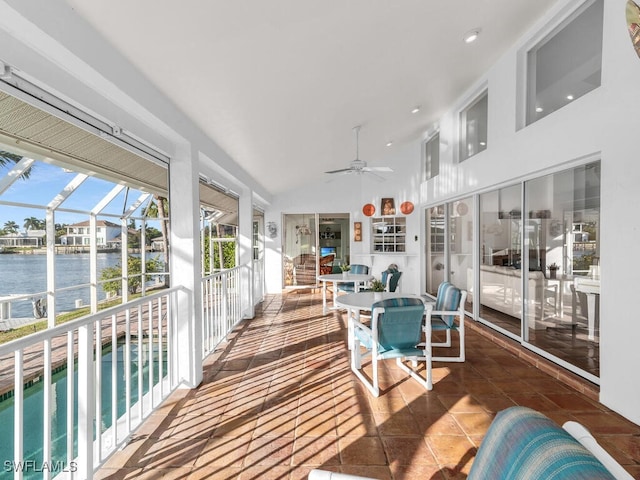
524	444
356	269
398	302
448	300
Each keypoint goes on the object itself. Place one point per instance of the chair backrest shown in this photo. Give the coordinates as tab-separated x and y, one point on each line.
448	300
390	279
359	269
398	322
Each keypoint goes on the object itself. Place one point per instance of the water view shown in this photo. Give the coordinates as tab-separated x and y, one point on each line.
24	274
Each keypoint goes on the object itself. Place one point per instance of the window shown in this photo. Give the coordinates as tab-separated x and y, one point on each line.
566	64
388	234
431	157
473	127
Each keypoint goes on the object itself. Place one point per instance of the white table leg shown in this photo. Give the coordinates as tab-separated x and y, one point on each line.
324	297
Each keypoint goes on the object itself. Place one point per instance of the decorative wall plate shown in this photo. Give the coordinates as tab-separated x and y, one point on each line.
633	22
369	209
462	209
406	208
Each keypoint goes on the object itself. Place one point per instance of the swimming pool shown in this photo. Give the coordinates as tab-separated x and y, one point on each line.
33	422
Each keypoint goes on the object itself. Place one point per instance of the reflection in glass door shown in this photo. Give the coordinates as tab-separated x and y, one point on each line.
500	294
564	265
436	242
299	250
460	230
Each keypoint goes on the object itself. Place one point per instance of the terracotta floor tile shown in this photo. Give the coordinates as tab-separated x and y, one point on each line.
316	451
269	451
278	398
362	451
397	424
474	423
449	449
356	424
408	451
224	451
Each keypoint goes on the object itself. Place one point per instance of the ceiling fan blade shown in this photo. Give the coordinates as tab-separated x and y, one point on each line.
378	169
342	170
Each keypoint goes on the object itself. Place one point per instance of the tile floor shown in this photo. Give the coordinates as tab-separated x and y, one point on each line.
278	399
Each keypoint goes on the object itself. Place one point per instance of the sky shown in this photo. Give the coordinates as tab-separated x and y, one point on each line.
45	182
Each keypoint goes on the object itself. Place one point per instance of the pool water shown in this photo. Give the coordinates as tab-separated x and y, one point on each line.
33	413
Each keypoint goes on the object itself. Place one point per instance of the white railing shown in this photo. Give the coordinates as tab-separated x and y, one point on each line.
222	305
135	344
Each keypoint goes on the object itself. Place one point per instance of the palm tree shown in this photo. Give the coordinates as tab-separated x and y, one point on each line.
157	209
32	223
6	158
11	227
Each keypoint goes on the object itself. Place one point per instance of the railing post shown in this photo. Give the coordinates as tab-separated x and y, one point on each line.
86	402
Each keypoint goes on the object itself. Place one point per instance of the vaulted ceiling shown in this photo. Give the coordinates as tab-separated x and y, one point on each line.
280	84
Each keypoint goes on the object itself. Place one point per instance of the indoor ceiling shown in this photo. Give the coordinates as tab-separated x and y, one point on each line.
280	84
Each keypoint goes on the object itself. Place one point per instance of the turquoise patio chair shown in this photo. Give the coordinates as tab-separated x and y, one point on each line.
395	333
391	278
449	306
356	269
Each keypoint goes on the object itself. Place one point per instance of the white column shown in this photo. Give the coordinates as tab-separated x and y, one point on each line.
184	258
245	257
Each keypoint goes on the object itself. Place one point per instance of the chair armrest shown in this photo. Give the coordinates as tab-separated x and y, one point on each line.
361	326
581	434
326	475
445	312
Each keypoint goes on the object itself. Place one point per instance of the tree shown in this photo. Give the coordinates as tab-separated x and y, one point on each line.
7	158
158	209
113	275
32	223
11	227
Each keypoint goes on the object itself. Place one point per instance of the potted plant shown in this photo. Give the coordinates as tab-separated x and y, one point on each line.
553	269
345	267
377	287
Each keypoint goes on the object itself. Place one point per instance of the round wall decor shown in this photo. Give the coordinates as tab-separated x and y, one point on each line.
369	209
406	208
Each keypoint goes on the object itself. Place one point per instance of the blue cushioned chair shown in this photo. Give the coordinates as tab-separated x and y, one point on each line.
396	331
522	443
449	305
356	269
391	279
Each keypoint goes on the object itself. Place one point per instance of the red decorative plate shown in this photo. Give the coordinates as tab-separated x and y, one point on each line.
368	209
406	208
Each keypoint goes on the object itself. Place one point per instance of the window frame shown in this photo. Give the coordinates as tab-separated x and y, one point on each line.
463	133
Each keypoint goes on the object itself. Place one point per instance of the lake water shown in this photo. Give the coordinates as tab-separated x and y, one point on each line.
20	274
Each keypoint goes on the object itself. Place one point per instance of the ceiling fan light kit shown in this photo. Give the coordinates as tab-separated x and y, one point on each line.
358	166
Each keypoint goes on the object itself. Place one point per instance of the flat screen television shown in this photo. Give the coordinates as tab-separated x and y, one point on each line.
327	251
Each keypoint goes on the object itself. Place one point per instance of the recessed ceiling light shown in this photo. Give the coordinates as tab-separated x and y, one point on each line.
389	143
539	109
569	97
471	36
483	144
415	109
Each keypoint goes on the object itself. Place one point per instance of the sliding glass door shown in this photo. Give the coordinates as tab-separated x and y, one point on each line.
529	259
564	265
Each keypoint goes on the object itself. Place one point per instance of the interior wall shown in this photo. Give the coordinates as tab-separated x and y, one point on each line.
600	125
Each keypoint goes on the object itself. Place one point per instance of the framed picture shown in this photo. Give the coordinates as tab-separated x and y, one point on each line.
388	206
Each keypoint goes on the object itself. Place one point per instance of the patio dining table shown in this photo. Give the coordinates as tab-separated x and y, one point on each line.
356	278
356	302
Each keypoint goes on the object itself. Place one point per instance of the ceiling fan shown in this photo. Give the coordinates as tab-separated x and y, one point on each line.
358	166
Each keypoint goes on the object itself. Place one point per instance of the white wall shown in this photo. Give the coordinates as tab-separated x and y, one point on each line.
600	125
